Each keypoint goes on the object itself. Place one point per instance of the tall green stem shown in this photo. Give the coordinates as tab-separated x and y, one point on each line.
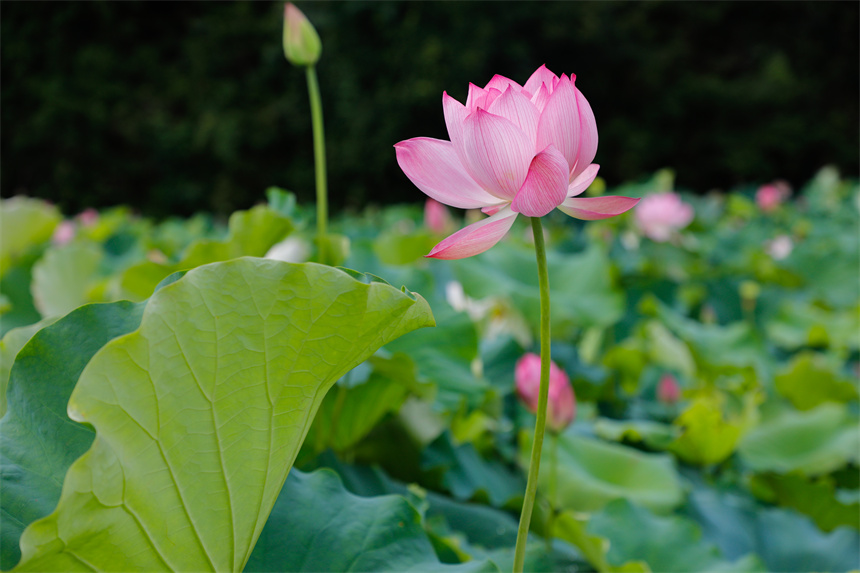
319	162
540	424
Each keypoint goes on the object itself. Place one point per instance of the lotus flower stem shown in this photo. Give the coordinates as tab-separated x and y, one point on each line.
319	162
540	424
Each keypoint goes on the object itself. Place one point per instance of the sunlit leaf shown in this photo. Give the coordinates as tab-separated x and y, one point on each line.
207	404
63	277
808	382
24	223
814	442
591	473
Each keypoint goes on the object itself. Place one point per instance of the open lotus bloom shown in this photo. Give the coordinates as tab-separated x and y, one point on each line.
660	215
514	149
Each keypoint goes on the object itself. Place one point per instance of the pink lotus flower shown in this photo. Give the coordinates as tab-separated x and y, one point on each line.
64	233
514	149
668	390
437	218
770	196
661	214
88	217
561	407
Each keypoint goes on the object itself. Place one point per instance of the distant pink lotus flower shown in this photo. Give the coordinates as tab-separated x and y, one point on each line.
88	217
63	233
514	149
661	214
561	407
668	390
437	218
770	196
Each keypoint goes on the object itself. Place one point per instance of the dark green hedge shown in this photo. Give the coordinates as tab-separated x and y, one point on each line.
181	107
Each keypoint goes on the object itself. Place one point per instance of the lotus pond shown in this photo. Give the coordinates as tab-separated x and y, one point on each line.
161	380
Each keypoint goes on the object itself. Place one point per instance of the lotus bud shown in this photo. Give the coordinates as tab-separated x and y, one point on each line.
668	390
437	218
769	197
561	406
302	45
64	233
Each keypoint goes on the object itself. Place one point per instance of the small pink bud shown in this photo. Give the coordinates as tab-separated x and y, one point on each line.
661	214
64	233
437	218
780	247
561	406
668	390
770	196
302	45
88	217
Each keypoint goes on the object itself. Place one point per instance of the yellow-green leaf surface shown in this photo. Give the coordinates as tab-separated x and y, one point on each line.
24	223
591	473
199	413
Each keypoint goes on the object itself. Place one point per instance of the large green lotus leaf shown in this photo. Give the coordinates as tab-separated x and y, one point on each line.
24	223
814	442
251	233
200	412
591	473
815	498
317	525
62	277
809	381
38	442
581	285
12	342
665	543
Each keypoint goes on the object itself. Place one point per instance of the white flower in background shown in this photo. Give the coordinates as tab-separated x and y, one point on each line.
290	250
494	314
779	248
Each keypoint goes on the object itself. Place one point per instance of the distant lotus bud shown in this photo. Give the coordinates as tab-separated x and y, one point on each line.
63	233
561	406
437	218
770	196
302	44
88	217
661	214
668	390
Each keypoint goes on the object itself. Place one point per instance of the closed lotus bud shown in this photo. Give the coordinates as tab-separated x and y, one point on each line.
302	45
437	218
561	405
668	390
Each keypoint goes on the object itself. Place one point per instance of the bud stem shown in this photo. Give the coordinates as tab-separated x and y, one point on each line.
540	423
319	162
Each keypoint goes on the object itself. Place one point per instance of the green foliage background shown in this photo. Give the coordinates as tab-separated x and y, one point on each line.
176	108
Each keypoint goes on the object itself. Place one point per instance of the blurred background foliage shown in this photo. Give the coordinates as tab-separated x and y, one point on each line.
175	108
